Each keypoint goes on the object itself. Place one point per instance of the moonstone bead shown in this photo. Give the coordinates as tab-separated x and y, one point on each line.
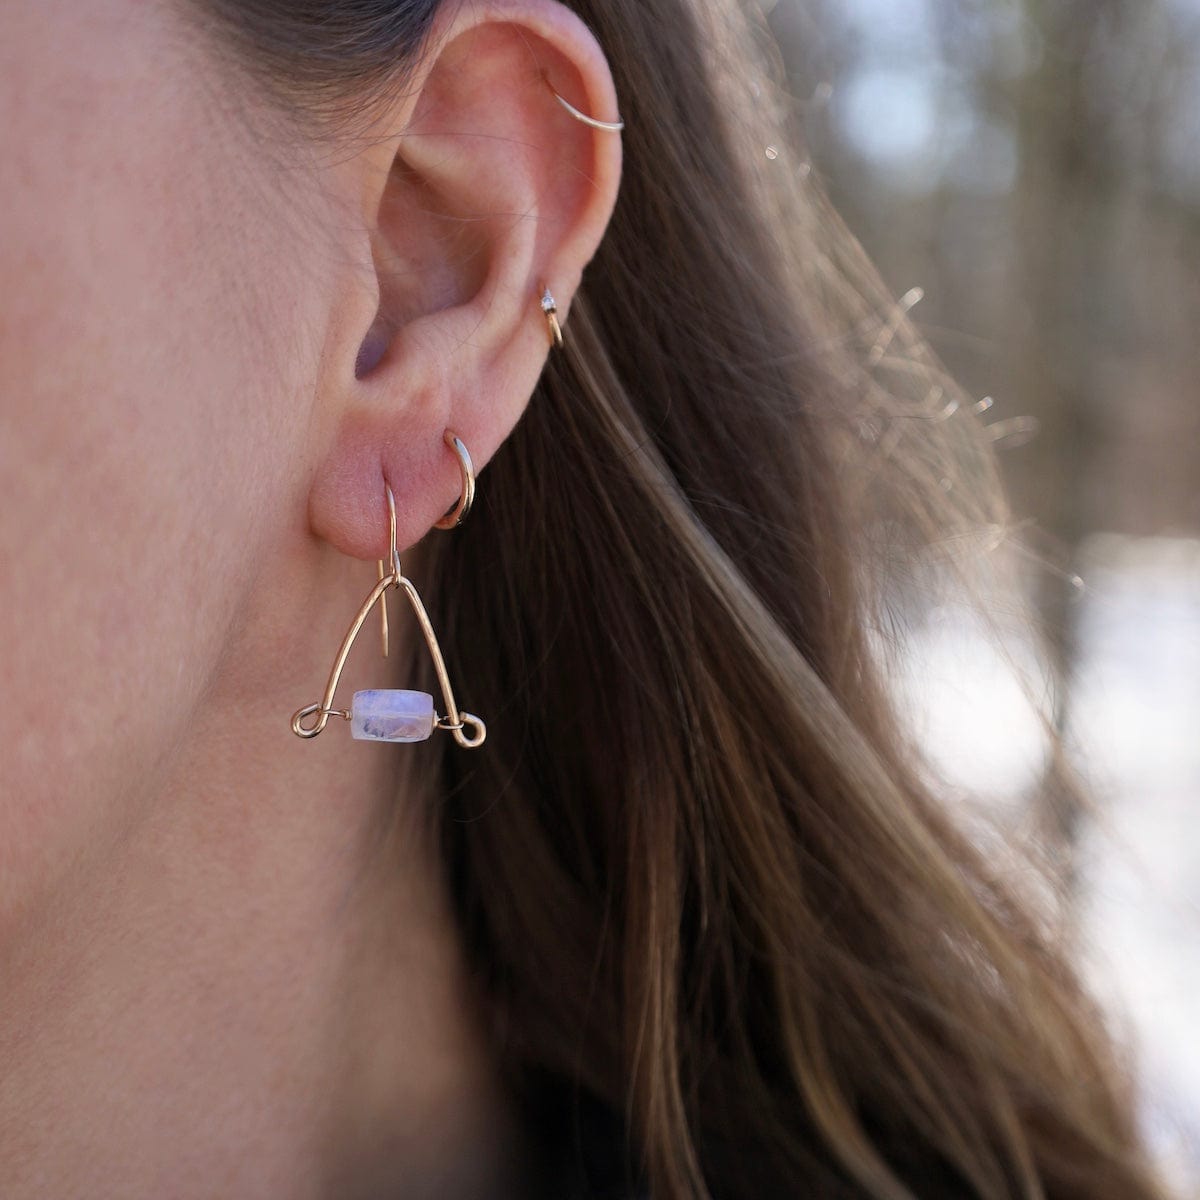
391	716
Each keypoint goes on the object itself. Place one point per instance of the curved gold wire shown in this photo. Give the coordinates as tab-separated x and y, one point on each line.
458	514
325	706
383	620
455	721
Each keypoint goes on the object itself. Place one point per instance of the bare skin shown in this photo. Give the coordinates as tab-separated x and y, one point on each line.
228	960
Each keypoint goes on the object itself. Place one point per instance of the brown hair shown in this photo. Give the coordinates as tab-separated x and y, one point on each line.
701	878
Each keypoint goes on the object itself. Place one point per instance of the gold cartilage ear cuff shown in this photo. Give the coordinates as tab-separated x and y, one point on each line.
389	714
611	126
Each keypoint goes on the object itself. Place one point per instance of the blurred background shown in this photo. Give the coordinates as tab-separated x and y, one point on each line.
1026	175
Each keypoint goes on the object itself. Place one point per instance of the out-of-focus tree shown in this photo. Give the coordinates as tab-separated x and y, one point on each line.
1034	166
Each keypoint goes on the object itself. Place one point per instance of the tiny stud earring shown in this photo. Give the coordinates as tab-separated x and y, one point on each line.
393	715
551	311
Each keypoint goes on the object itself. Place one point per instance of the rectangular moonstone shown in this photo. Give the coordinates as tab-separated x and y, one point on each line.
384	715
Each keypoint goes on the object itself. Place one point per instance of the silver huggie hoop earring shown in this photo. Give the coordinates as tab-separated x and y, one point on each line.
611	126
394	715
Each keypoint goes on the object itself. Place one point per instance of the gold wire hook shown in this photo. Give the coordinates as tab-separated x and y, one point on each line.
383	625
395	557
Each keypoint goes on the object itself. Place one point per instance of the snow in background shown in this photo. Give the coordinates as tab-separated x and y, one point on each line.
1135	726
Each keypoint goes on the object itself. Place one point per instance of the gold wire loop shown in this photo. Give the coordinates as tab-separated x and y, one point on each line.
309	731
465	718
455	722
458	514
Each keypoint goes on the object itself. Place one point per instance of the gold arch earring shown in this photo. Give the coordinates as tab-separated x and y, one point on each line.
398	715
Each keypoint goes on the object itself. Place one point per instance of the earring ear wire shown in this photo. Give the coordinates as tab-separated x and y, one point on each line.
395	715
453	518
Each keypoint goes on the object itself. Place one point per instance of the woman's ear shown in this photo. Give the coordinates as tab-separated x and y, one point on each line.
478	190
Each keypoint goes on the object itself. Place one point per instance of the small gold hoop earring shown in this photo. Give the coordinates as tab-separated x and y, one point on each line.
551	311
611	126
392	715
458	514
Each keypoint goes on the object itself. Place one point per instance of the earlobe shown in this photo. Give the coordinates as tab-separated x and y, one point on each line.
492	191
